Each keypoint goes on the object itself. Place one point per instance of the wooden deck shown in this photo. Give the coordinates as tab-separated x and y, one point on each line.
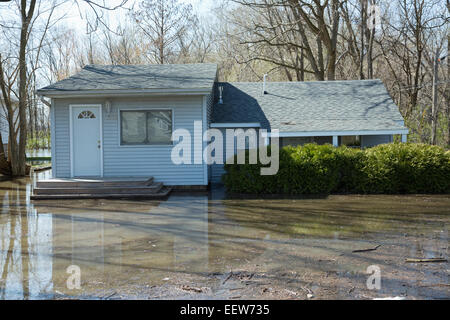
94	188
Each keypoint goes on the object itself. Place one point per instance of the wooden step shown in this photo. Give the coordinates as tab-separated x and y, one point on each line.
162	194
154	188
93	183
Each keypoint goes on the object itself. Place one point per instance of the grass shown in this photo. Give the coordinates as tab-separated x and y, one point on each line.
40	141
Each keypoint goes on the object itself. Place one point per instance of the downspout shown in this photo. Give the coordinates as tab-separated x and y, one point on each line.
48	104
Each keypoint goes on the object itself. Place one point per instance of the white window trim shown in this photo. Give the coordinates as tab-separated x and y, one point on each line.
143	145
236	125
204	127
71	106
53	139
338	133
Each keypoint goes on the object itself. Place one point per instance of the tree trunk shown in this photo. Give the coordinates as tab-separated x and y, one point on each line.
5	166
363	29
302	65
18	165
434	109
371	39
447	95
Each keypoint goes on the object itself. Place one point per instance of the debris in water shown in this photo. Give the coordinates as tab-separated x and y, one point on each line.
391	298
291	292
109	296
228	278
370	249
412	260
188	288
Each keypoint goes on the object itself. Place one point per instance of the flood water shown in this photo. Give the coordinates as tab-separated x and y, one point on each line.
39	153
205	245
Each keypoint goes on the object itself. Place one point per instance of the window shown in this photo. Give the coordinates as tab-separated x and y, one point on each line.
350	141
86	115
147	127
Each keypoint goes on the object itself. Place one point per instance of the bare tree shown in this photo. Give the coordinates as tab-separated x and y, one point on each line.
18	67
295	30
404	42
447	91
166	23
17	146
358	34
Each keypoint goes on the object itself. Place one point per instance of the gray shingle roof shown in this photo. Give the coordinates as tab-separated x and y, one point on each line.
310	106
138	77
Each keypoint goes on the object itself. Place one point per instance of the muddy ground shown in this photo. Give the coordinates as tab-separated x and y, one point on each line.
212	246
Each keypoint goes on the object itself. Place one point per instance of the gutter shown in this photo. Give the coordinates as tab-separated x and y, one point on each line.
337	133
48	104
122	92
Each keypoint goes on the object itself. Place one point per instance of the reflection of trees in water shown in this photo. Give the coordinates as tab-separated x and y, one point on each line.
15	239
20	262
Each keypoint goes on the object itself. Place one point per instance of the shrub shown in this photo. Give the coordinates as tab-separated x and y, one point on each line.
322	169
406	168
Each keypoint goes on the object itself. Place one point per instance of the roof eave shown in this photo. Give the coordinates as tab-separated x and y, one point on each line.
121	93
340	133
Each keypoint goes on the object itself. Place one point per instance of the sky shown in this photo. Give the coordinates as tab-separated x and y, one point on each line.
201	7
74	15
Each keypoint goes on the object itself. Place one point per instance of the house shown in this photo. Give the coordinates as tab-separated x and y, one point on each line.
359	113
118	121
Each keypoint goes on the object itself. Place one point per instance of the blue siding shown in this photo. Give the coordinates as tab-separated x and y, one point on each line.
134	161
61	140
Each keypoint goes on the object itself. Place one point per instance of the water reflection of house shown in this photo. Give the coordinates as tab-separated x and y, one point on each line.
108	245
191	240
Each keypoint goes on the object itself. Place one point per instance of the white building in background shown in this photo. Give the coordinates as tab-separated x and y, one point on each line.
4	128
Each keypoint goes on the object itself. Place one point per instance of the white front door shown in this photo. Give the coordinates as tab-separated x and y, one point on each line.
86	141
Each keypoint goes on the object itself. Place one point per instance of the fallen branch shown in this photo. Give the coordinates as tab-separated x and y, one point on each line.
109	296
41	168
435	260
188	288
435	285
228	278
365	250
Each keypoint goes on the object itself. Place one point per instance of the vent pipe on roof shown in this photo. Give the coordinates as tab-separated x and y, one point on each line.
264	84
220	94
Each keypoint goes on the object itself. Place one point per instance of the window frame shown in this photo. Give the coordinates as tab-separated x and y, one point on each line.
119	117
91	115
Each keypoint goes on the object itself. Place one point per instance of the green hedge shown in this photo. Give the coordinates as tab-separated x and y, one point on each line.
322	169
